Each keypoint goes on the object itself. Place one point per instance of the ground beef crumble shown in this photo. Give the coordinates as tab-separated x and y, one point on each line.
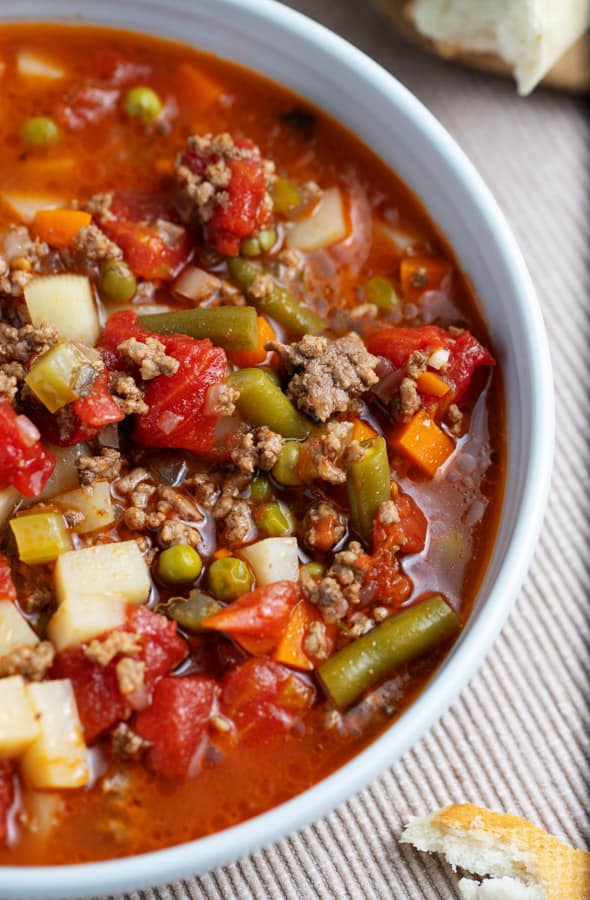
127	744
323	526
330	449
222	399
130	675
127	394
339	588
150	356
117	642
255	448
315	642
106	467
19	347
33	663
409	401
326	376
158	508
92	244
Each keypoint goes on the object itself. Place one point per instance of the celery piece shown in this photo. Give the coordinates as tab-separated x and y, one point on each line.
60	376
382	293
286	197
275	519
40	537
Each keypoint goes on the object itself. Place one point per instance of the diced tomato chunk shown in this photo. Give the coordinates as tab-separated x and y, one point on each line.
263	698
258	619
6	795
24	462
120	326
88	105
7	588
409	534
384	581
111	66
98	407
397	343
98	698
466	355
176	724
100	702
145	228
245	210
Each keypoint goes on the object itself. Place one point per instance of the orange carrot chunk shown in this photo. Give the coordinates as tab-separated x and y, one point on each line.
423	442
59	227
202	90
431	384
362	431
290	649
246	358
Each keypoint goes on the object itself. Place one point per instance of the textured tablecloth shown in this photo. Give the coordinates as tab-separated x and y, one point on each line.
518	737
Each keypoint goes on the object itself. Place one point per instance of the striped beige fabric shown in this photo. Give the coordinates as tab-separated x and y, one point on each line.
518	737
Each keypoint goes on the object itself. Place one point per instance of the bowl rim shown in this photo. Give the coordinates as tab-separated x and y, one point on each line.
202	854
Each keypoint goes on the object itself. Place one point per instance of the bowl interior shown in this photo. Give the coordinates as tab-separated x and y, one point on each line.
315	63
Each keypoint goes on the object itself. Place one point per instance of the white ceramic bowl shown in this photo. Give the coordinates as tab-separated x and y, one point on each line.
304	56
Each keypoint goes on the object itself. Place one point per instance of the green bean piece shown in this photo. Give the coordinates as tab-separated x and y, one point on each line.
179	564
230	327
368	485
190	611
382	293
279	304
260	489
275	519
40	132
229	578
117	281
262	402
401	639
142	103
285	196
314	569
285	469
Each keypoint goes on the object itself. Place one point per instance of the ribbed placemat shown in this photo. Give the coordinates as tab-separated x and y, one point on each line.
518	737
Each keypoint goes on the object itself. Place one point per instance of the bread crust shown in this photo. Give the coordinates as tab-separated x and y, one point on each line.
571	72
561	872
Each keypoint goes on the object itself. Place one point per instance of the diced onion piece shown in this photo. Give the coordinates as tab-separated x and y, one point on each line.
273	559
65	301
195	284
325	226
32	66
107	570
401	237
94	502
15	631
65	475
439	358
57	758
8	500
18	726
83	618
26	205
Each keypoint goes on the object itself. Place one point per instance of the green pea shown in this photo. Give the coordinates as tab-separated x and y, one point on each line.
381	292
267	238
39	132
117	281
142	103
250	246
260	489
229	578
275	519
190	611
285	196
285	469
179	564
314	569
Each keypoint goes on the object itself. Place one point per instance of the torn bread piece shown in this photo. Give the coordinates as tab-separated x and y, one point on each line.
529	35
516	859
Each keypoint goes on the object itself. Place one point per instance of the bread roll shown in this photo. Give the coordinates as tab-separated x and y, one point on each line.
518	860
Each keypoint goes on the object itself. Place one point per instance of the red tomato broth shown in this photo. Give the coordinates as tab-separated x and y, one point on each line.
237	782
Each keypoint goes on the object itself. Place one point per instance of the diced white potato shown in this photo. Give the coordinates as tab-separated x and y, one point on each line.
401	237
83	618
43	811
67	302
15	631
33	66
25	205
326	225
273	559
65	476
106	570
18	726
57	758
94	502
8	500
